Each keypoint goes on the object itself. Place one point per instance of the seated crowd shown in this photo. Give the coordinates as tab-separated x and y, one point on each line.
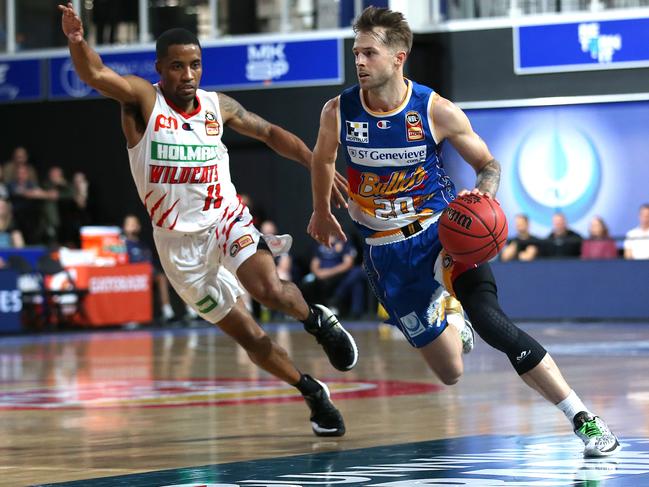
51	211
563	242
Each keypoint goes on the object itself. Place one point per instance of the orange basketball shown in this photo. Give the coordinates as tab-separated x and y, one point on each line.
473	229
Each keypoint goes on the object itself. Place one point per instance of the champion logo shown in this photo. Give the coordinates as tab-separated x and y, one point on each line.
383	124
522	356
187	127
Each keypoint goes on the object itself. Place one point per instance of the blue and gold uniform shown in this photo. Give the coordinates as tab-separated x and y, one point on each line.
394	169
398	188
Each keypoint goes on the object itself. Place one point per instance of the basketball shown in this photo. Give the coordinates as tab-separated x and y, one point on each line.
473	229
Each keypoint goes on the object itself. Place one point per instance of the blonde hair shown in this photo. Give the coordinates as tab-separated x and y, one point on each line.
397	30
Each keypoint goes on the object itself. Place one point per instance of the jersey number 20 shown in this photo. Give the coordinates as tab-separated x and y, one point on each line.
386	209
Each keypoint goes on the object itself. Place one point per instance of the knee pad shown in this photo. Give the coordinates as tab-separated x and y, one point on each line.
476	289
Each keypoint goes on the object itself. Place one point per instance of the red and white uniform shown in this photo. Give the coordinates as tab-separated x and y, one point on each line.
202	230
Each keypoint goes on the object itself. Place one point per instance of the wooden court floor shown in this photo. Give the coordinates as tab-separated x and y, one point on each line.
77	406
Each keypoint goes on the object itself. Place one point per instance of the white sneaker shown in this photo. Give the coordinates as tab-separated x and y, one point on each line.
598	439
167	312
464	328
455	316
190	312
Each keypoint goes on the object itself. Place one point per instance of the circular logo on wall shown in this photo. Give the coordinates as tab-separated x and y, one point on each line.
556	170
71	83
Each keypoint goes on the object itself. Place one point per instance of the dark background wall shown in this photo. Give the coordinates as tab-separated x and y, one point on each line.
463	66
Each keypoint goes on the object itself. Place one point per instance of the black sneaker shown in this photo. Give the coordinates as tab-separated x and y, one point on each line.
337	343
326	420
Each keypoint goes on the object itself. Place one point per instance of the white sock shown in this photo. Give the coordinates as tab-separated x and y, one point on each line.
572	405
191	312
167	311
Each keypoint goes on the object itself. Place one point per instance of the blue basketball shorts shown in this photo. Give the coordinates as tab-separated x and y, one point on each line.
410	278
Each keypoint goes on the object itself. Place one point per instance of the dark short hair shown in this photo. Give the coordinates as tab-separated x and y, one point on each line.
397	30
172	37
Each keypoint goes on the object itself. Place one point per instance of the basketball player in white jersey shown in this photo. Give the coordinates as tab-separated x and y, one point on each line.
391	130
202	230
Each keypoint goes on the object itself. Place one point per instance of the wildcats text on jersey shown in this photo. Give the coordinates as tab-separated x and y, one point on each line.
176	152
183	174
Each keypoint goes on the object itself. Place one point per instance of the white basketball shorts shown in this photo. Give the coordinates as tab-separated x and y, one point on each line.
202	266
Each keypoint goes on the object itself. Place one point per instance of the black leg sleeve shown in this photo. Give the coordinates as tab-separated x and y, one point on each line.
476	289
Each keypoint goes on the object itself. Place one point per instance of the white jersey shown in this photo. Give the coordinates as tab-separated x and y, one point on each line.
181	167
637	241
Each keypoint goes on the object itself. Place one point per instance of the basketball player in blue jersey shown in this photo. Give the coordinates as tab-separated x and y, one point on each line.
202	229
390	129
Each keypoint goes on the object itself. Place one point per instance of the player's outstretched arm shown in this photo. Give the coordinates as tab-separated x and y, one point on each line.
323	226
281	141
452	124
91	69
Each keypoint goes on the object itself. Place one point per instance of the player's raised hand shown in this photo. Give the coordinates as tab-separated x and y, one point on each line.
339	191
325	229
71	23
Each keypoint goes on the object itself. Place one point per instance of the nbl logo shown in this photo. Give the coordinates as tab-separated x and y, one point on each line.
414	127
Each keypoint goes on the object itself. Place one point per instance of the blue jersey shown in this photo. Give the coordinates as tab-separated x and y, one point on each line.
394	168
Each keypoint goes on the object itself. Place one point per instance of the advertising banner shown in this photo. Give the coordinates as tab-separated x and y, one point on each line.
10	302
579	46
225	67
20	80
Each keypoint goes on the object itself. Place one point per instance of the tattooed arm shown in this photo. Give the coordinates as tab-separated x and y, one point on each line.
247	123
451	123
488	179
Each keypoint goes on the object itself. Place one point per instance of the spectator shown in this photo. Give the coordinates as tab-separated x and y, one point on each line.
258	215
599	244
56	209
19	158
4	191
284	265
74	213
27	199
562	242
139	252
636	244
523	246
80	190
284	262
334	276
10	236
105	14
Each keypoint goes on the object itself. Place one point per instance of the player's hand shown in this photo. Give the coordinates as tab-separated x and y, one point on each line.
324	228
71	23
339	193
477	192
